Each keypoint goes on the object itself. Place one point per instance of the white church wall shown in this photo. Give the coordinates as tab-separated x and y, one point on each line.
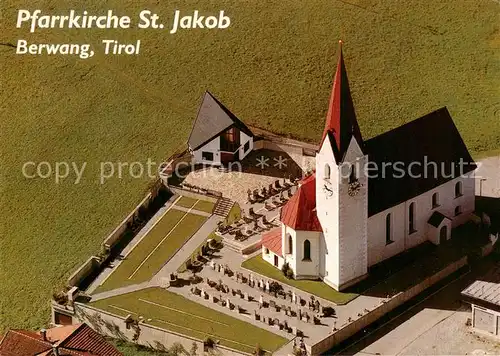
244	138
327	209
268	256
378	249
307	268
403	240
353	219
211	147
289	256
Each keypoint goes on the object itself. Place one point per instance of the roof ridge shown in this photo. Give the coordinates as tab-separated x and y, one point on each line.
17	331
414	121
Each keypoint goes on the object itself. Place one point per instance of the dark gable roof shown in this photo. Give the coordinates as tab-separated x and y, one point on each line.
433	136
213	119
436	219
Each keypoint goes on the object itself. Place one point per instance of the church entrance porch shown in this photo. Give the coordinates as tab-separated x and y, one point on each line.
443	234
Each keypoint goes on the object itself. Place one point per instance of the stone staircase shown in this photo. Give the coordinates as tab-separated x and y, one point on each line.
223	207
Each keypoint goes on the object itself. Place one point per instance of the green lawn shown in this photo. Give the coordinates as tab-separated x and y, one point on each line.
203	205
134	270
234	214
176	313
197	204
273	68
318	288
186	202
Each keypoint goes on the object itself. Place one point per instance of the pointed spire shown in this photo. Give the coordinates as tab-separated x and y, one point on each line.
341	119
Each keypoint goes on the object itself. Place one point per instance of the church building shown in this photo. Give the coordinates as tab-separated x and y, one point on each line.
369	200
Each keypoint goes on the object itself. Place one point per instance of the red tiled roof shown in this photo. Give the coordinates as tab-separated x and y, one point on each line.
85	338
300	211
272	240
83	341
22	343
341	119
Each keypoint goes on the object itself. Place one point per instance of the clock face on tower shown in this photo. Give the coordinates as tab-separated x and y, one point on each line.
327	189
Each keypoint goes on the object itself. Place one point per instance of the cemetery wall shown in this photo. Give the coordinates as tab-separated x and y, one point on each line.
112	325
400	298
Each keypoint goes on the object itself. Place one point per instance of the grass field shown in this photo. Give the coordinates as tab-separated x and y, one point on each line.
157	247
273	68
176	313
318	288
197	204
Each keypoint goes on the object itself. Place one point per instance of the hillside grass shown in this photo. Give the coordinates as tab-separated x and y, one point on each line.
273	68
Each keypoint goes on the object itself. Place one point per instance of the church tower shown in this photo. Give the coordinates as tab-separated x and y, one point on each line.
342	189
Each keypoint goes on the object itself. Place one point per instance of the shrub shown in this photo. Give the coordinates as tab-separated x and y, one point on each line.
328	311
60	298
259	351
287	270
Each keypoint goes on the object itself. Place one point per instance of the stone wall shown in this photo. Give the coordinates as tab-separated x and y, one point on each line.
114	237
85	270
402	297
112	325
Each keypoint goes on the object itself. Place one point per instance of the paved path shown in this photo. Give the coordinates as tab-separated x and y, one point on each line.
436	326
192	211
188	248
122	290
131	245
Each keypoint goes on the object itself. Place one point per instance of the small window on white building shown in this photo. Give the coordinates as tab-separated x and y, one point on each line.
207	156
411	218
435	200
353	176
307	250
388	229
458	189
266	251
290	244
458	210
246	147
327	171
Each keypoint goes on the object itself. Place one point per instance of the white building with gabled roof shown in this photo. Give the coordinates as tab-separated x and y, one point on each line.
218	137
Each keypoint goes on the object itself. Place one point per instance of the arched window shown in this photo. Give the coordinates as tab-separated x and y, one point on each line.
290	244
435	200
388	228
353	176
458	189
411	218
458	210
327	171
307	250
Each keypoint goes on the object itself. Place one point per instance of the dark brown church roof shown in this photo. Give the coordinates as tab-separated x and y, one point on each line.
212	120
431	138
